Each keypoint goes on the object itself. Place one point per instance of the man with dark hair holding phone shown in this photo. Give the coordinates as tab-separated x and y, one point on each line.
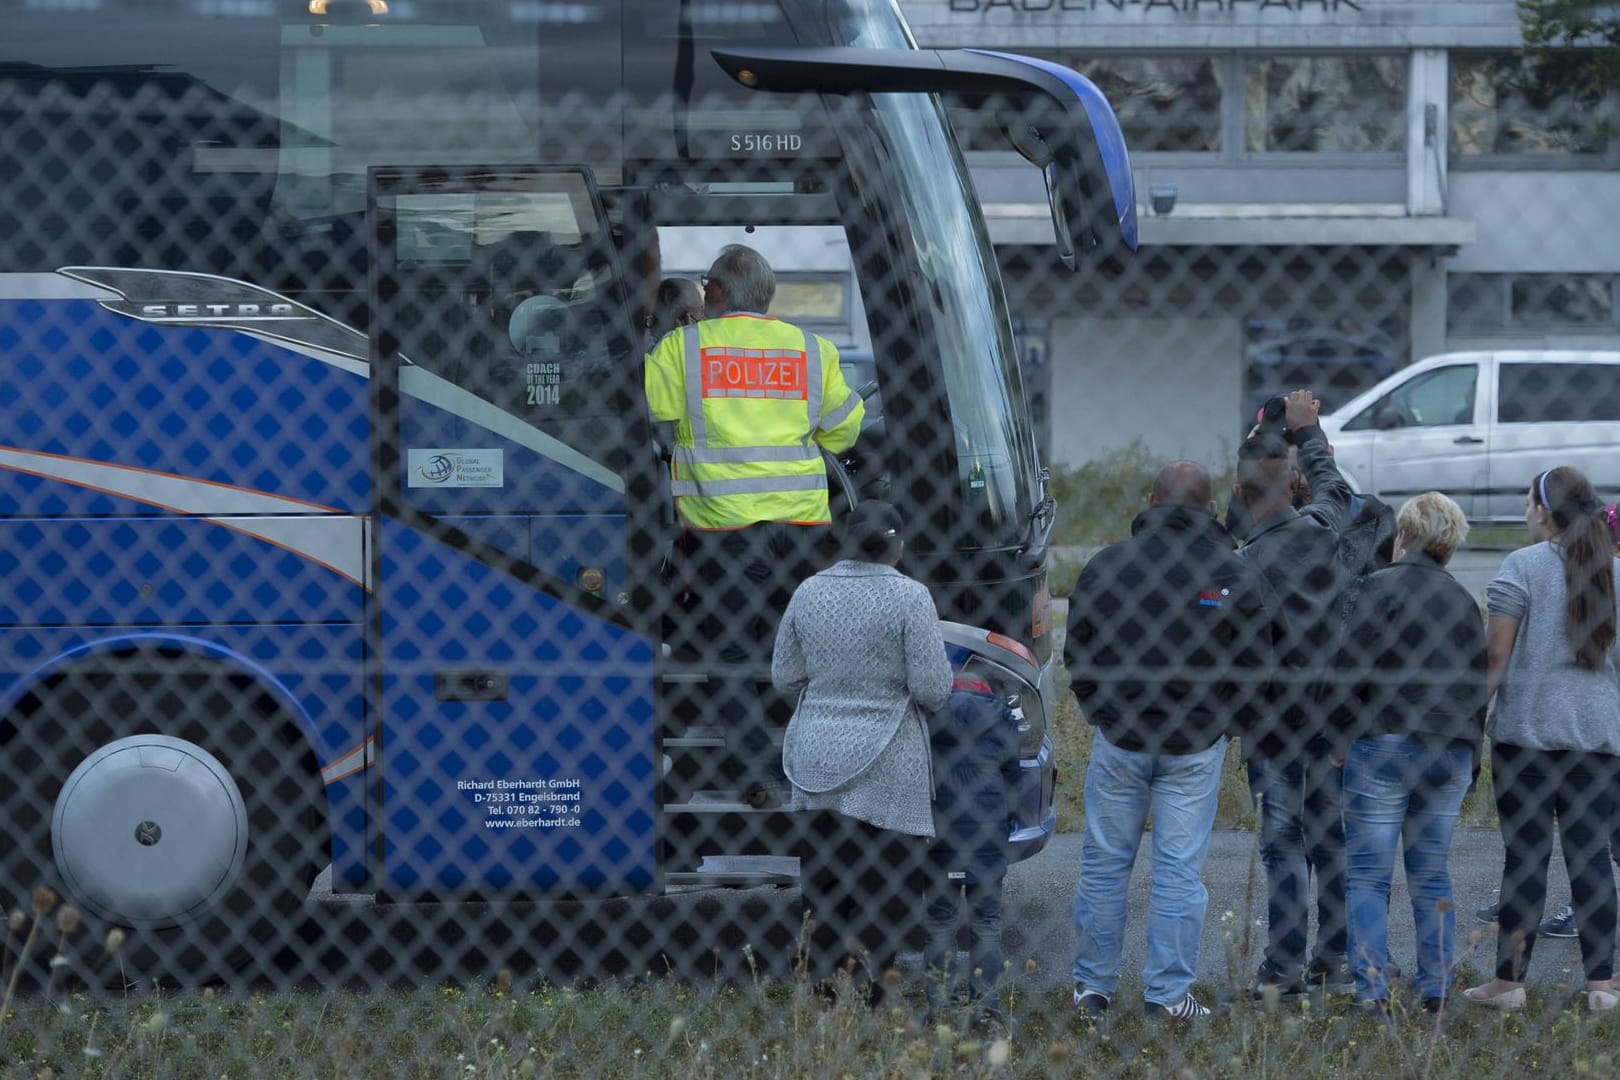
1291	773
1270	420
1367	538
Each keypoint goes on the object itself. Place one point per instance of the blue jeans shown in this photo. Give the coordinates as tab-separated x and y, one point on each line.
1301	829
1121	788
1402	793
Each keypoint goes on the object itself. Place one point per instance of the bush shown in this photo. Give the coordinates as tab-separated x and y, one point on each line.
1098	500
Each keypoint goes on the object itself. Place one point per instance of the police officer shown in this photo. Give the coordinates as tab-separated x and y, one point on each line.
753	400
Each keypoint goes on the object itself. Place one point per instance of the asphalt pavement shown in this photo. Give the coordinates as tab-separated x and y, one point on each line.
1038	927
707	929
1475	567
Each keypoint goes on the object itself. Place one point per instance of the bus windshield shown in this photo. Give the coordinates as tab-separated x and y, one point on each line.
995	453
995	448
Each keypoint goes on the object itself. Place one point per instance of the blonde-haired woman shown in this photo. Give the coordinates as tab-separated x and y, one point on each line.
1410	725
1555	730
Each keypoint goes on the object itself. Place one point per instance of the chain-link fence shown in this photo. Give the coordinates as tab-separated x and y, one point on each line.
398	587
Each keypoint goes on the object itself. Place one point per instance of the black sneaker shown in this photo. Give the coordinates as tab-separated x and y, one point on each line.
1490	911
986	1021
1561	925
1367	1009
1089	1004
1186	1009
1434	1006
1333	976
1268	981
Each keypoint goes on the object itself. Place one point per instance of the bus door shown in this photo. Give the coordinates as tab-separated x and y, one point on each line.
512	648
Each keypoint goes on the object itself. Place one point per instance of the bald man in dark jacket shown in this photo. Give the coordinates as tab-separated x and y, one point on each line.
1170	649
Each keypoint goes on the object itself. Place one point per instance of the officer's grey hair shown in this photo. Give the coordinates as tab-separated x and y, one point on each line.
1433	524
749	282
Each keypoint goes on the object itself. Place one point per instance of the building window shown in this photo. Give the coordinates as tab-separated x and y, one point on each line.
1562	300
806	298
1337	358
1340	104
1164	104
1560	303
1509	105
1326	104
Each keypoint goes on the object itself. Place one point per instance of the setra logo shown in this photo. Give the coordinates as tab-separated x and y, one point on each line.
437	469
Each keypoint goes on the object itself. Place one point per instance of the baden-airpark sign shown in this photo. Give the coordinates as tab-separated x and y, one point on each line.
1166	7
1147	25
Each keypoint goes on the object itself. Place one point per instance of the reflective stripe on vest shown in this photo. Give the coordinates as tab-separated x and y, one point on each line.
840	414
691	455
730	372
757	485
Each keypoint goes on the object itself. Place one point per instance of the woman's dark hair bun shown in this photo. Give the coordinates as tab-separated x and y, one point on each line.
872	532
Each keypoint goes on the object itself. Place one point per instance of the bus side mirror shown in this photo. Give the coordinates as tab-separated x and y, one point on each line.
1075	139
1027	140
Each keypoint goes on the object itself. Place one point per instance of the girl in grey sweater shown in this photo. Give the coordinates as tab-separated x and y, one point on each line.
1555	729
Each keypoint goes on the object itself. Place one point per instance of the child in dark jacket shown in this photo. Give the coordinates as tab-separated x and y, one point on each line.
975	759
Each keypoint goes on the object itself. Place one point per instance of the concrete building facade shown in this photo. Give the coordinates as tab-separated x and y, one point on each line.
1343	187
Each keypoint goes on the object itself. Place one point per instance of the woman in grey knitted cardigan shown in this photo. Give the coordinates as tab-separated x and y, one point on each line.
860	643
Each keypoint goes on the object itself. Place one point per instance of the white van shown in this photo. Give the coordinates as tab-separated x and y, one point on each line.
1479	426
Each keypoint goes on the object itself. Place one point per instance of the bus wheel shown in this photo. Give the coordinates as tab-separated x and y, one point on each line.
166	802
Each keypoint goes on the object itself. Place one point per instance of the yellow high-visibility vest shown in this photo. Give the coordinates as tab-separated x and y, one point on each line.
754	400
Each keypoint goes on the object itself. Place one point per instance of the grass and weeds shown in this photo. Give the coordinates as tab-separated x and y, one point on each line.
773	1030
1097	500
1498	537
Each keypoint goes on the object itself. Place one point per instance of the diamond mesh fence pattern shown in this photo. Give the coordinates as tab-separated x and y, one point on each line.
373	612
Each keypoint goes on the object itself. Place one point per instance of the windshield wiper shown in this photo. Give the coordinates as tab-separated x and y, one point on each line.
1042	520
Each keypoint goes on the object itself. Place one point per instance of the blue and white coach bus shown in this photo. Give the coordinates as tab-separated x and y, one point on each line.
331	531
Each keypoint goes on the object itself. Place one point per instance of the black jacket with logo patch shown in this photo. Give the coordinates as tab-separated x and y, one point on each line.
1171	637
